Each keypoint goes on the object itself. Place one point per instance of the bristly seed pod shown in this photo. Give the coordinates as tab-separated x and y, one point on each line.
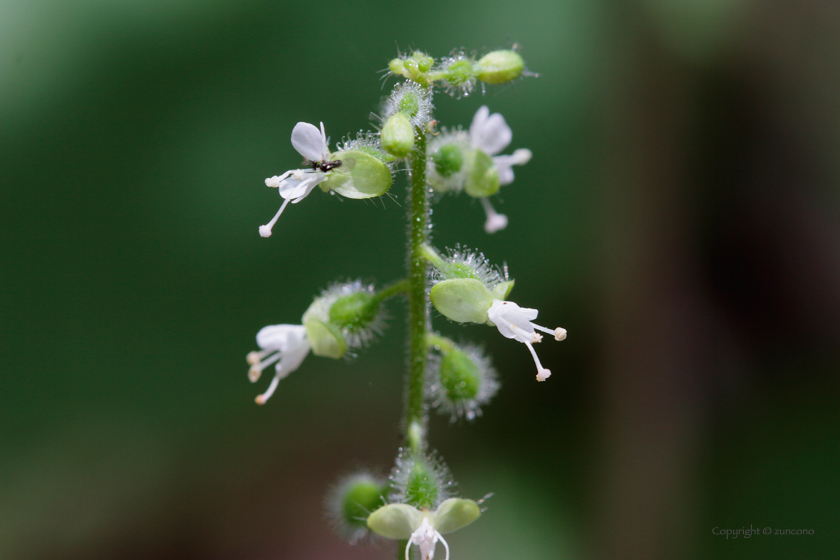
351	500
462	378
413	101
423	481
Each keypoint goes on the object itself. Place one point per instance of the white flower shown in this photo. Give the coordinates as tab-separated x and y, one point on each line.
515	322
426	537
296	184
285	344
491	134
423	528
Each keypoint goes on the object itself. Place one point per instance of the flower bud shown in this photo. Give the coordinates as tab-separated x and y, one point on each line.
419	480
350	502
499	67
413	67
458	74
397	136
360	175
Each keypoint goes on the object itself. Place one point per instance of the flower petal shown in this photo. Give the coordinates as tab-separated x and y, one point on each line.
308	141
494	136
478	121
281	337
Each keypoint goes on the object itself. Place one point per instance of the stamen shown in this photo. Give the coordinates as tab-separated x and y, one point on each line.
521	156
495	221
275	181
270	360
270	391
265	231
545	330
542	373
407	547
446	546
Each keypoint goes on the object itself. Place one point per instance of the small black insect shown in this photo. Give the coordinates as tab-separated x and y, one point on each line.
324	166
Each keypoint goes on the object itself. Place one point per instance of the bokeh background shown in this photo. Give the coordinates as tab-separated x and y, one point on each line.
680	217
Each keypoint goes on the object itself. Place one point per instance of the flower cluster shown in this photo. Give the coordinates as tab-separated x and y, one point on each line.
471	162
418	501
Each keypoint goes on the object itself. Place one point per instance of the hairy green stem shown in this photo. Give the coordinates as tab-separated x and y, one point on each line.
418	305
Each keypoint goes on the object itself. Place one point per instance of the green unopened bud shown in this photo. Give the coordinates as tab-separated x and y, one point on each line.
414	67
350	502
397	66
418	480
499	67
360	175
482	177
421	61
448	159
459	72
464	300
397	136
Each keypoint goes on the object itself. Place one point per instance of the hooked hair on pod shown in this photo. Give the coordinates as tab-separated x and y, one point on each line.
351	500
353	307
461	379
462	262
420	480
448	160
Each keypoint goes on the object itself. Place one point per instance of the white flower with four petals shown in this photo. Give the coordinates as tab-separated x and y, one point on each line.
515	322
285	344
296	184
491	134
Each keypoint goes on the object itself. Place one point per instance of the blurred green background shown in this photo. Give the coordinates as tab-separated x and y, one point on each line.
680	218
